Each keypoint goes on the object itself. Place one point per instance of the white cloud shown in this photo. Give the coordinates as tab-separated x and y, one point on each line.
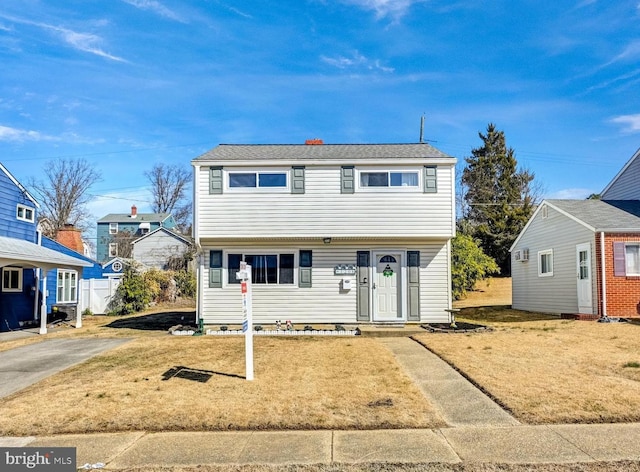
631	123
383	8
356	61
155	7
86	42
21	135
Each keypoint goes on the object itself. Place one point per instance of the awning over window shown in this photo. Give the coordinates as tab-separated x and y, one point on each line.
144	225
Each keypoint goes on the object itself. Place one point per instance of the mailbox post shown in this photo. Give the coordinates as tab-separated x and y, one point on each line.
244	275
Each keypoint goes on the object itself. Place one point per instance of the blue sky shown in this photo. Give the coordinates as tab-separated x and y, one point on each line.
126	84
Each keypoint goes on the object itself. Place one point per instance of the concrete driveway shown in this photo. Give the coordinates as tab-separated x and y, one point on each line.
26	365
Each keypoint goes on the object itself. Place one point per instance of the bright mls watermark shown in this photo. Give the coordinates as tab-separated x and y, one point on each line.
37	459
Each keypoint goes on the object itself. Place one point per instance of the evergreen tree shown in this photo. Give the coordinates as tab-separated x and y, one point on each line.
498	197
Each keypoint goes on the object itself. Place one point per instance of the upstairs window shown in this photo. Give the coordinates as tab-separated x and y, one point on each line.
390	179
25	213
264	180
113	228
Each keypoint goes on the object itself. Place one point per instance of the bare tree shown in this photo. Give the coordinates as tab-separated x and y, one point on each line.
169	185
63	195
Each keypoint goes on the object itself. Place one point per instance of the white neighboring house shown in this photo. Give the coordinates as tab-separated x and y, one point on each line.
334	233
582	257
157	248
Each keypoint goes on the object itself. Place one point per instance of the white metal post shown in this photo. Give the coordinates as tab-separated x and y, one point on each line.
247	316
43	307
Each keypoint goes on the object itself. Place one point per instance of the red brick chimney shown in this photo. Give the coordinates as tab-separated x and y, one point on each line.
71	237
134	211
314	142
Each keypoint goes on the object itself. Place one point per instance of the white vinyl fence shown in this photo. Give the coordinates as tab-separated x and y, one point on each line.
96	294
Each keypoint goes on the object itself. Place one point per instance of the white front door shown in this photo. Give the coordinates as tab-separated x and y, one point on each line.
585	287
386	288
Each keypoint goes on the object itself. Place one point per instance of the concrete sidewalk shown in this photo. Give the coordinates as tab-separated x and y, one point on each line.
507	444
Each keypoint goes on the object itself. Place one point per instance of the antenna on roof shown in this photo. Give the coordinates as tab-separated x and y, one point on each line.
422	140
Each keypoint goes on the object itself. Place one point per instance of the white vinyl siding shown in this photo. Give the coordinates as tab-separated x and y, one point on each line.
557	294
324	211
324	302
156	249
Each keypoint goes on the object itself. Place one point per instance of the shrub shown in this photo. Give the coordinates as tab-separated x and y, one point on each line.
132	294
186	283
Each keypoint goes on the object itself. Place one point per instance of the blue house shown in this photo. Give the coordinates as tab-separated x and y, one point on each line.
117	229
62	284
23	261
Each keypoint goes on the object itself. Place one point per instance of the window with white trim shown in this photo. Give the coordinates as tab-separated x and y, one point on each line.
113	249
25	213
67	286
266	269
410	179
632	259
545	263
113	228
266	180
12	279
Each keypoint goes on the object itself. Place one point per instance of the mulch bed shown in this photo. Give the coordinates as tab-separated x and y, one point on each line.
459	327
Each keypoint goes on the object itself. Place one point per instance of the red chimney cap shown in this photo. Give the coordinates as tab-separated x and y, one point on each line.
314	142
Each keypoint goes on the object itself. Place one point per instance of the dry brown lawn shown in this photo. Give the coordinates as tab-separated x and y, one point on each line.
544	369
548	370
305	382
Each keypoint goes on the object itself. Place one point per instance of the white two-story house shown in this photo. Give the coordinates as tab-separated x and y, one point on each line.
352	233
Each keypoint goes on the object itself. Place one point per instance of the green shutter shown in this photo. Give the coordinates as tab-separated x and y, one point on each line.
305	267
413	274
430	179
347	181
215	269
363	259
297	179
215	180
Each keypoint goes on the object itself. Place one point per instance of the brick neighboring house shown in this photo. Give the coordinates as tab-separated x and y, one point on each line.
583	256
116	231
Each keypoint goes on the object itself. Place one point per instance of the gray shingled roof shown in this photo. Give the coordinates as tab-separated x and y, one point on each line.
603	215
21	252
241	152
140	217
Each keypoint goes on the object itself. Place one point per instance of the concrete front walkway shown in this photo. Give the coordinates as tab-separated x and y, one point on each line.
458	401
